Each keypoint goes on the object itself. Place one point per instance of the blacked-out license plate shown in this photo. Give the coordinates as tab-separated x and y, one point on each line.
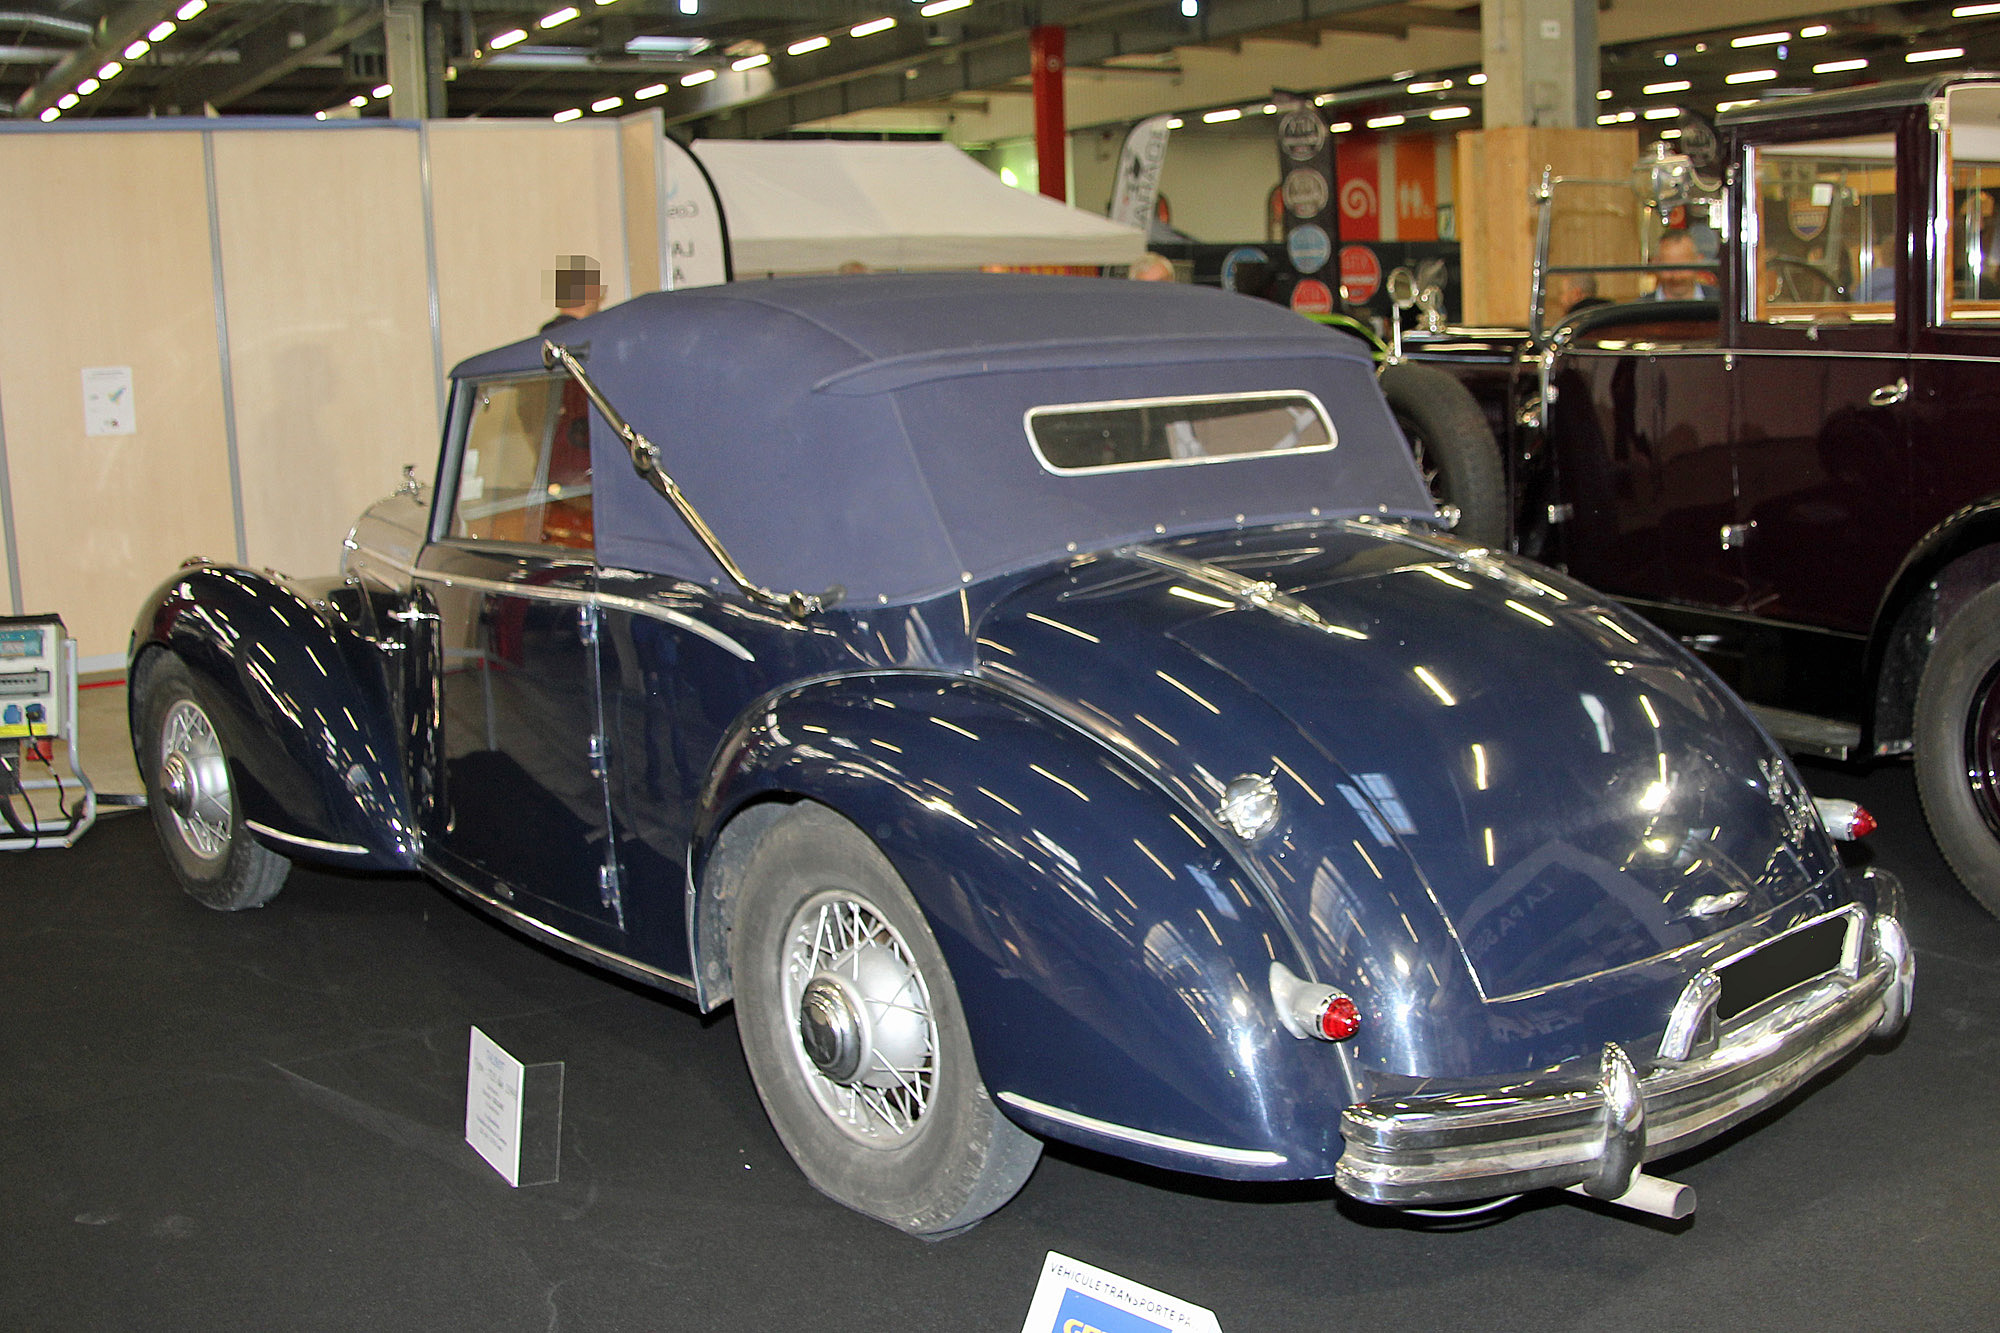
1775	967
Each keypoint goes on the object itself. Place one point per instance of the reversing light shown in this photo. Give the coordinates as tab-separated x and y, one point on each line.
1311	1009
1844	821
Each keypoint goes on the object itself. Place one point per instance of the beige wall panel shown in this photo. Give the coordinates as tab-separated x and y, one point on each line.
104	261
639	150
329	330
508	198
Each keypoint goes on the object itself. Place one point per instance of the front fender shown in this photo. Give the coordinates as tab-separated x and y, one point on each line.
1112	954
302	705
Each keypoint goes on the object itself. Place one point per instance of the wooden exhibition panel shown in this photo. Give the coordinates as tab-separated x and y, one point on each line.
331	360
104	259
507	197
639	157
1500	169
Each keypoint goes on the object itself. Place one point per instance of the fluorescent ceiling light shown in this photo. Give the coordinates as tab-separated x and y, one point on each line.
50	113
1432	86
1384	122
162	30
649	92
1751	76
1839	66
1340	127
1476	80
870	28
1821	30
109	70
511	37
603	104
1451	113
557	19
666	46
1217	117
68	100
1670	86
358	101
190	9
1974	11
810	44
1603	94
88	86
1761	39
931	11
1175	123
1942	53
697	78
562	117
758	61
1662	112
1720	107
383	89
137	49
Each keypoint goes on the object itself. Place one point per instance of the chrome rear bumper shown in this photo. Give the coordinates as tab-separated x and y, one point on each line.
1529	1133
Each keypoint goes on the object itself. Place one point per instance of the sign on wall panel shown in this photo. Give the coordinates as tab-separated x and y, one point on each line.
639	164
506	199
322	243
105	261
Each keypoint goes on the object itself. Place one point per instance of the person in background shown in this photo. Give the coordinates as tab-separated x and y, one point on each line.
1571	292
576	285
1680	284
1151	267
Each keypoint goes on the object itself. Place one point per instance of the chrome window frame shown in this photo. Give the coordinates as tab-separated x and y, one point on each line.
1257	395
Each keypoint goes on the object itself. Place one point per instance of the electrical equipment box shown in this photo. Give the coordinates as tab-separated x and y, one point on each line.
31	676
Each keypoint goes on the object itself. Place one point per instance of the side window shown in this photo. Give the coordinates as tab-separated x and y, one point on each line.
524	474
1973	290
1823	239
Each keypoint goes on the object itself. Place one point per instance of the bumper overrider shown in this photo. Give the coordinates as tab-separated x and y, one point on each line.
1532	1133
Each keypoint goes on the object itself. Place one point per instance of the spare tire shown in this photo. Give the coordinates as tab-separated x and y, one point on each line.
1453	446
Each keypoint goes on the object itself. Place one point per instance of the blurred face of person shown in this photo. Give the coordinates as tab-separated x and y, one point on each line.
1678	284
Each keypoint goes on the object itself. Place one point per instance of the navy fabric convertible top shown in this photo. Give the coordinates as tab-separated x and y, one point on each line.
869	431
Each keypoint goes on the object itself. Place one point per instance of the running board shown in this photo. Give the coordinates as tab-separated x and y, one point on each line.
1802	733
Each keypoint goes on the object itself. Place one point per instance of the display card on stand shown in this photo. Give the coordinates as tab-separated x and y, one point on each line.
1074	1297
513	1113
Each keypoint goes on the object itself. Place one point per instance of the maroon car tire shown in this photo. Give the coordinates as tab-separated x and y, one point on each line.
854	1036
1958	745
1453	446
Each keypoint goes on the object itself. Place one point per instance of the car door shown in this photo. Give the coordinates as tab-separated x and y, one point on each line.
519	807
1822	376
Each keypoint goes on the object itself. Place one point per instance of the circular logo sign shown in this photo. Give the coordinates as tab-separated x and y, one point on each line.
1301	134
1360	273
1242	254
1309	247
1305	192
1312	297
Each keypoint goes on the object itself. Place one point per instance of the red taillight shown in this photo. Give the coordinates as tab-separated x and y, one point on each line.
1843	820
1340	1019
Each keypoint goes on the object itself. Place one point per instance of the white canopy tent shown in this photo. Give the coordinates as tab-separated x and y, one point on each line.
806	206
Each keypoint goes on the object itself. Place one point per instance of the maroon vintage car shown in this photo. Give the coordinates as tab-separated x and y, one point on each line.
1797	470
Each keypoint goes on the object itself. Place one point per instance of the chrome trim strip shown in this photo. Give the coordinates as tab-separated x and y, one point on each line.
1718	350
344	848
558	939
7	523
1145	1138
638	606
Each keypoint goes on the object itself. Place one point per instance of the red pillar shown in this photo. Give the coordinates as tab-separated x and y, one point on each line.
1045	50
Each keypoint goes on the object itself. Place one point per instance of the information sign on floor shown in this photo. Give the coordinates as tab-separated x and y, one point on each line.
1074	1297
513	1113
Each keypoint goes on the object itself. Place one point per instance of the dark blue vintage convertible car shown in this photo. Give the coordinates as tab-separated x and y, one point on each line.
1048	709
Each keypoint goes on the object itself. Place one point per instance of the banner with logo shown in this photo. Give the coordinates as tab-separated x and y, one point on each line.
1310	215
696	234
1388	188
1137	192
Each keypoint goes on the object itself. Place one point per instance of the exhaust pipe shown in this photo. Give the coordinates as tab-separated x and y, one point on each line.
1651	1194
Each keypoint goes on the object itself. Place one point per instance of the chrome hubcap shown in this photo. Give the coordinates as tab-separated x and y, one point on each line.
865	1038
194	781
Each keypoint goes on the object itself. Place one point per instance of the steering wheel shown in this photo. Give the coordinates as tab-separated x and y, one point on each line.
1801	280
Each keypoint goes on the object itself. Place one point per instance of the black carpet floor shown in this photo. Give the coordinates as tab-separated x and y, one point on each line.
255	1122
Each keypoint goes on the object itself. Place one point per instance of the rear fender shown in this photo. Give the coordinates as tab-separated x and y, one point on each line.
302	705
1112	953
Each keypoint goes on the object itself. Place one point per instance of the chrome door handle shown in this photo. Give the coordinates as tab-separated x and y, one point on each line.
1890	394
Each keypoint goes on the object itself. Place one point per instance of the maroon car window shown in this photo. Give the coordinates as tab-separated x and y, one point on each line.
1973	141
524	475
1822	238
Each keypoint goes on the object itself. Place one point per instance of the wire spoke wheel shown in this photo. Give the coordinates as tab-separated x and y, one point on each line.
854	1035
866	1041
194	780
